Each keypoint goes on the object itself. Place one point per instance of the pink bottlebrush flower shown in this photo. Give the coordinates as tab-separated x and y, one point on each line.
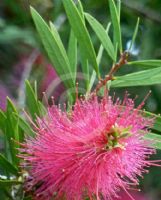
94	151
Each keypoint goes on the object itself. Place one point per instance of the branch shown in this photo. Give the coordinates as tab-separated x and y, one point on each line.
115	67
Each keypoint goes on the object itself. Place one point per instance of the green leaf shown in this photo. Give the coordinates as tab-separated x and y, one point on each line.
119	8
83	56
42	109
72	54
116	49
9	183
80	32
93	77
9	167
156	139
99	56
64	53
4	194
134	35
85	67
157	122
31	100
59	42
80	8
54	48
148	63
116	24
142	78
12	131
2	120
24	125
102	35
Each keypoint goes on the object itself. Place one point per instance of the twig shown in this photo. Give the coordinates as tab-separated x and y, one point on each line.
108	77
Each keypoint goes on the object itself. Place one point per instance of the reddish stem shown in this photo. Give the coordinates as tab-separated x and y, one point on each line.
115	67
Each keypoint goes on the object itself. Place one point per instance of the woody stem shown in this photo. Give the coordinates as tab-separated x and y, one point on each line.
115	67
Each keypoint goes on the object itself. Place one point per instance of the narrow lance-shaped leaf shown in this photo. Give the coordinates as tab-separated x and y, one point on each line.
99	56
35	89
83	55
2	120
85	67
157	124
134	35
116	49
116	24
155	138
31	100
54	48
72	54
12	132
80	8
101	49
119	9
102	35
157	121
34	106
146	63
145	77
42	109
9	167
80	32
64	53
24	125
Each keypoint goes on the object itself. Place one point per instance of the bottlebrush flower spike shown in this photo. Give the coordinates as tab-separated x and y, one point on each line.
93	151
